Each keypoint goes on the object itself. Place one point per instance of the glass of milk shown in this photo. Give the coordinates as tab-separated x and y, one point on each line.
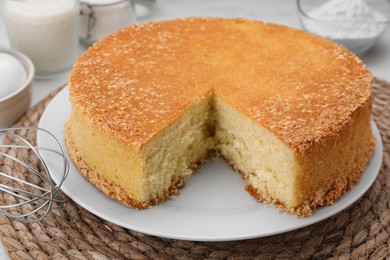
47	31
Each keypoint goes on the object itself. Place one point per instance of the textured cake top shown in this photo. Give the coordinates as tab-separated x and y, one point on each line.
136	82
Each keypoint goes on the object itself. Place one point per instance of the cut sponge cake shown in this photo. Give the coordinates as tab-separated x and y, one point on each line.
288	110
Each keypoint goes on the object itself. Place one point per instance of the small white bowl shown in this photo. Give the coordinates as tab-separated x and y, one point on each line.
16	74
356	34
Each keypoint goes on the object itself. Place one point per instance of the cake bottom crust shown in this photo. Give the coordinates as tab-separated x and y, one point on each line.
320	197
112	190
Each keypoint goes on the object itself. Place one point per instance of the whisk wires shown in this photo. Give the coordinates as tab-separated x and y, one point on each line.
29	191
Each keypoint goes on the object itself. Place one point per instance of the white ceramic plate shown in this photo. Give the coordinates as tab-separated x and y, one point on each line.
213	206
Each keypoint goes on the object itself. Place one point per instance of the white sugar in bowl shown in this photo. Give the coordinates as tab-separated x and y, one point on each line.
16	75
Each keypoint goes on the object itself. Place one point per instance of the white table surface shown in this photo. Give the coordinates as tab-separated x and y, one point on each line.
284	12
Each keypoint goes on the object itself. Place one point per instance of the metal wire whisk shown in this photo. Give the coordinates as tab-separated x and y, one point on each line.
27	190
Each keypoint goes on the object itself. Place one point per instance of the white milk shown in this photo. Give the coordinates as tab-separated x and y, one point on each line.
45	30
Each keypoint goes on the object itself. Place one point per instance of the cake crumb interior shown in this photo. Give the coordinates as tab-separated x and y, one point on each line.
208	126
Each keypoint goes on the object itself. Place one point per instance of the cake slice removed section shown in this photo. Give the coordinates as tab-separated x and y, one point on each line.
148	175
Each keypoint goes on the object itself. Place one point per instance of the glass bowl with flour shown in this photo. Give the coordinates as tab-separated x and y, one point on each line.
356	24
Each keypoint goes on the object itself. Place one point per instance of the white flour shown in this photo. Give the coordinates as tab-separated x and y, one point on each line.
347	9
352	23
355	18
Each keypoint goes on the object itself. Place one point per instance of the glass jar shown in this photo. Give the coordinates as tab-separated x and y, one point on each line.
102	17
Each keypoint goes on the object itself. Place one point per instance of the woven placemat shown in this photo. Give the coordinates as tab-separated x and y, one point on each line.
360	231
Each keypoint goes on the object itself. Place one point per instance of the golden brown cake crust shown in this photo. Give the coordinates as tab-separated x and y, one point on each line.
276	75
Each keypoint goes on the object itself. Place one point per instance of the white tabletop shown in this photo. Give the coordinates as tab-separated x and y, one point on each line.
284	12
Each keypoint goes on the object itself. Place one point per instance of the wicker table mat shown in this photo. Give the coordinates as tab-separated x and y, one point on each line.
360	231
